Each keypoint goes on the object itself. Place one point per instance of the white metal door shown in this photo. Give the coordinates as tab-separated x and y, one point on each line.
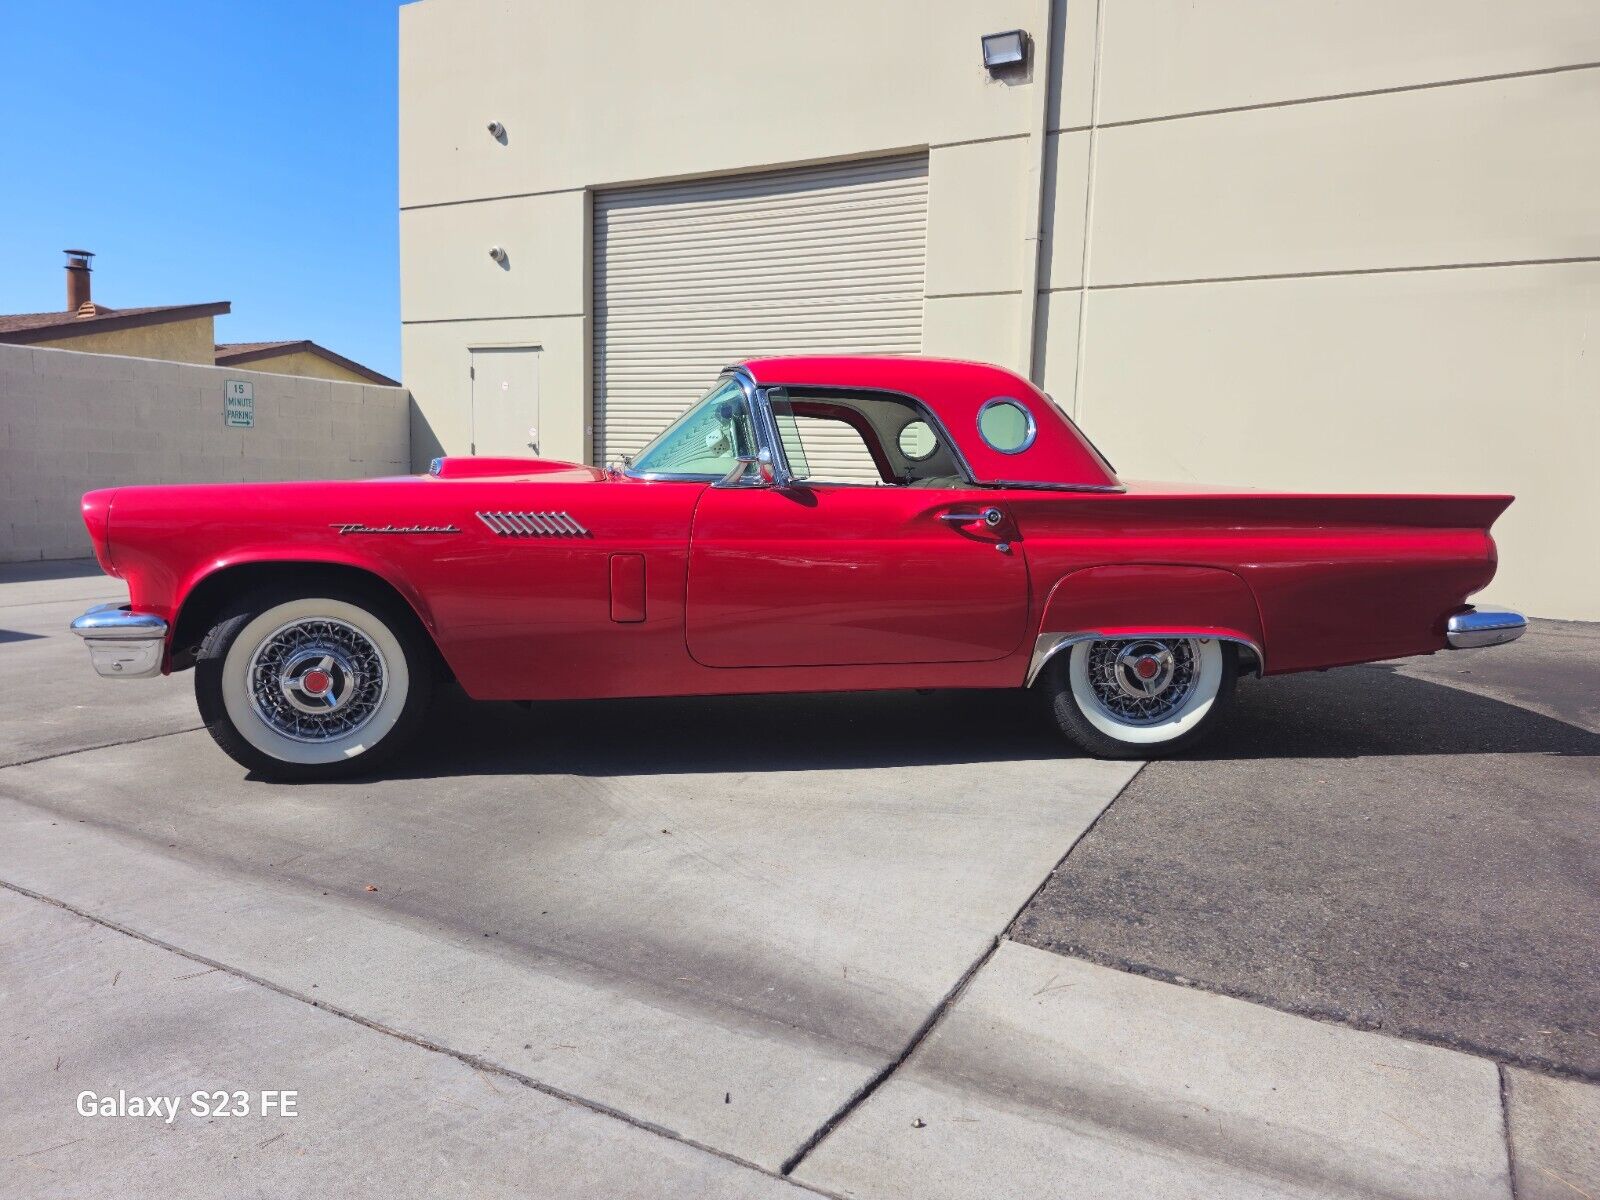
505	400
690	277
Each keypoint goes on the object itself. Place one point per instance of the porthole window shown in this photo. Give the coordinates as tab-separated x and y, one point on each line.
918	441
1006	426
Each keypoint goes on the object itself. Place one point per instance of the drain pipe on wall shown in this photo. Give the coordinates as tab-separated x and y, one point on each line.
1033	192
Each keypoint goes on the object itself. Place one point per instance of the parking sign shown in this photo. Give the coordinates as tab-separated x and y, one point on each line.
239	404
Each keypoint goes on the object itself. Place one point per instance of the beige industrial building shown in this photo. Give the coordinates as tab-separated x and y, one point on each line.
1319	246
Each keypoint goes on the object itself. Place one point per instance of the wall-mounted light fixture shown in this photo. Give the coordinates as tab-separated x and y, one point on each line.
1002	50
498	253
496	130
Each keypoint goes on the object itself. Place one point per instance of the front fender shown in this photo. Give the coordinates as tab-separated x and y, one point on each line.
204	588
1145	599
262	555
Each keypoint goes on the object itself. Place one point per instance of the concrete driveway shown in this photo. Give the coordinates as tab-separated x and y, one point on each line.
703	948
718	918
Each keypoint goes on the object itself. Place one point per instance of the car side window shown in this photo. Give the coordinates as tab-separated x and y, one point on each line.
827	450
863	439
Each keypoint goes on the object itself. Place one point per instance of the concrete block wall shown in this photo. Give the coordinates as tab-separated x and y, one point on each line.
71	422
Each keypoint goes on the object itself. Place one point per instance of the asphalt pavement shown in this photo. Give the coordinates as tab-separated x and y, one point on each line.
1413	847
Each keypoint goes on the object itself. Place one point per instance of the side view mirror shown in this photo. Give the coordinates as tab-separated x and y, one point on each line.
761	461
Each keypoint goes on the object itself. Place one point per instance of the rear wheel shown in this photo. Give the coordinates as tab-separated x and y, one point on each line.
1140	697
308	687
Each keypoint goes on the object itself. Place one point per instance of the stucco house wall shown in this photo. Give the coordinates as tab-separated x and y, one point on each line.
190	341
303	362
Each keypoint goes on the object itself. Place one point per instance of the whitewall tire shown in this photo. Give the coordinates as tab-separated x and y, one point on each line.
1140	697
305	687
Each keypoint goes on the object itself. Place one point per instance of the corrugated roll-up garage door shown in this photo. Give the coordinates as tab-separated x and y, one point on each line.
690	277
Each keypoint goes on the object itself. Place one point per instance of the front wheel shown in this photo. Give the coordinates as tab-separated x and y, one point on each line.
309	687
1140	697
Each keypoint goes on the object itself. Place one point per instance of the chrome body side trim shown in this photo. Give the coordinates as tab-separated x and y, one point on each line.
1047	645
122	644
669	476
1473	629
1109	488
532	524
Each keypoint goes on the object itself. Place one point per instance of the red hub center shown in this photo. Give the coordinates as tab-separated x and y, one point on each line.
1146	668
316	682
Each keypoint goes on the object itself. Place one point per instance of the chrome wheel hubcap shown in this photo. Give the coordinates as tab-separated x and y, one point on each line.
1143	680
316	679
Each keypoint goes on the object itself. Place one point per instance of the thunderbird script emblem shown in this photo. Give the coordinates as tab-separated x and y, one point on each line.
357	527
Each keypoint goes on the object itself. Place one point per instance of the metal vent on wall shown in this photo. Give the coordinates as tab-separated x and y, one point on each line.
690	277
532	524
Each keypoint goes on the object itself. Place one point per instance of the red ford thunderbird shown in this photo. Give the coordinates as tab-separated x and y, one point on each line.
811	524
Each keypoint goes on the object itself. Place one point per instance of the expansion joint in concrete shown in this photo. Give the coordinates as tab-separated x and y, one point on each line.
148	737
931	1022
474	1061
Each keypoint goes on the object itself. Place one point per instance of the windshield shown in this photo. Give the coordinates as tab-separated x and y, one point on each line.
706	442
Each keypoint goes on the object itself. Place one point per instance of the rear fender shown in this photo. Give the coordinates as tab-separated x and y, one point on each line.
1148	600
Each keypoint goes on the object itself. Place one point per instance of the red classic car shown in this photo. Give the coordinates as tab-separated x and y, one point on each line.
811	524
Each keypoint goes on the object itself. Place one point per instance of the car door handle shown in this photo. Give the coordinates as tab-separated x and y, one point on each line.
989	516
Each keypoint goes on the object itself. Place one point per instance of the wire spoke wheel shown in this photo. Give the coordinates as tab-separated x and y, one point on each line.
1140	697
300	685
1142	681
316	680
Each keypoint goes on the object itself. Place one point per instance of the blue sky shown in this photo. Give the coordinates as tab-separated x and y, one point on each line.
207	151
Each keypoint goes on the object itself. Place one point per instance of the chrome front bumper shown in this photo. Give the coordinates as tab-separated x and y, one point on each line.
122	644
1469	630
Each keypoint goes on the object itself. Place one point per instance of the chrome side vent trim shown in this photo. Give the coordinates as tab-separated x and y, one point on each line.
533	524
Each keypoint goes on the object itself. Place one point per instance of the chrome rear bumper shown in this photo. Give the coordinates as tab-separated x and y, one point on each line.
1469	630
122	644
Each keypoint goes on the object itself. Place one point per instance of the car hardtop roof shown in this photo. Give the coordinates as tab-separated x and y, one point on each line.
1058	455
879	370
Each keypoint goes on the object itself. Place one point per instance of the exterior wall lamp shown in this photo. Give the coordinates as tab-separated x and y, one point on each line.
1003	50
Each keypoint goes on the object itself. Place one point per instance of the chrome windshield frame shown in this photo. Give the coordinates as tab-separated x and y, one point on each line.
767	434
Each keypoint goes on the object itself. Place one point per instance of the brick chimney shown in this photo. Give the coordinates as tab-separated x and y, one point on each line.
78	269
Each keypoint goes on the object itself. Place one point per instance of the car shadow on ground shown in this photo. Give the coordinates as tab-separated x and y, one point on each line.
35	570
730	734
1350	713
1359	712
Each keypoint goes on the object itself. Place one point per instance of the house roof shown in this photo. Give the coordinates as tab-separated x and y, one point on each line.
234	354
48	326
